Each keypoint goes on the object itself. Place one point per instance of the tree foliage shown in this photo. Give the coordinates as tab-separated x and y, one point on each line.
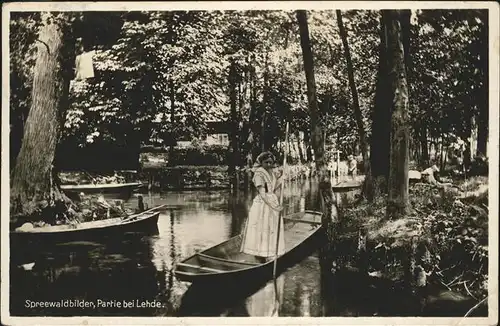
160	76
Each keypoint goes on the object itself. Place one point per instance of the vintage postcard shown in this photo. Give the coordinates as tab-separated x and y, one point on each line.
274	163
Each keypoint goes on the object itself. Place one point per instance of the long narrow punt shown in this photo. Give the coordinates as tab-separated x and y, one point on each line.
133	223
225	260
101	187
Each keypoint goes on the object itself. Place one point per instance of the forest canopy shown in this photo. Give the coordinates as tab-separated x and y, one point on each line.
161	76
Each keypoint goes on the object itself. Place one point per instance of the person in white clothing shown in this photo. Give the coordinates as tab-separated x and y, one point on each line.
353	166
261	231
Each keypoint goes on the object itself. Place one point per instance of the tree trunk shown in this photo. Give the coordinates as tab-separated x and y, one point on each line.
171	151
316	132
404	20
381	116
425	160
252	130
34	192
307	144
483	117
398	199
241	95
17	122
442	155
355	101
253	118
482	132
473	139
325	188
411	148
417	149
265	103
299	146
483	91
234	127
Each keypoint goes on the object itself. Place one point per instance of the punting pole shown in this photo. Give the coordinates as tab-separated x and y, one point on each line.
280	213
150	189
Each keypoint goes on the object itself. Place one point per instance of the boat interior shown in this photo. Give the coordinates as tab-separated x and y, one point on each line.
227	256
89	224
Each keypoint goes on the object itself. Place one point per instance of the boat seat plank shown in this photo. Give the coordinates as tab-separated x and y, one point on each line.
231	262
201	268
302	221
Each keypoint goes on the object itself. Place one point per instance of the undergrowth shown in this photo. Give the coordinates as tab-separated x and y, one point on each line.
451	234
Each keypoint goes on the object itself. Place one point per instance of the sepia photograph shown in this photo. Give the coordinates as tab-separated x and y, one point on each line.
250	160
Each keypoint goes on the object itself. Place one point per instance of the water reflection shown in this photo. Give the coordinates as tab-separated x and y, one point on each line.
82	272
266	301
239	211
140	266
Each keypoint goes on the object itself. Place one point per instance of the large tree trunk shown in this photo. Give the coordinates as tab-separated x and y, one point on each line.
355	101
234	127
381	116
483	117
317	138
34	192
325	188
398	201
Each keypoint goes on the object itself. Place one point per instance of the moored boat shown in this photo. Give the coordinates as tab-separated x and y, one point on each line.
102	187
140	222
225	261
347	186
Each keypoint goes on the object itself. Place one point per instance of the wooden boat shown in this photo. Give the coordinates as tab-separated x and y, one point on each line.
225	261
347	186
140	222
104	187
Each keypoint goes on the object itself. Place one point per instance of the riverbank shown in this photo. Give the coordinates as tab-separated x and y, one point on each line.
184	177
441	244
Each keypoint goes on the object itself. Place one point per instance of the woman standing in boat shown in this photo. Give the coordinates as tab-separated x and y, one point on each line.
261	231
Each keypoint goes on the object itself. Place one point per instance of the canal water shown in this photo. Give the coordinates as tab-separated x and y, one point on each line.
136	270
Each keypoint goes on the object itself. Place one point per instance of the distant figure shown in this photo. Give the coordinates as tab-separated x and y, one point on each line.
431	175
428	174
352	166
260	235
332	167
339	170
140	205
84	64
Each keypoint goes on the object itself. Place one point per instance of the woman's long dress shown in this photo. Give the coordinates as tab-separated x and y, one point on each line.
259	238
